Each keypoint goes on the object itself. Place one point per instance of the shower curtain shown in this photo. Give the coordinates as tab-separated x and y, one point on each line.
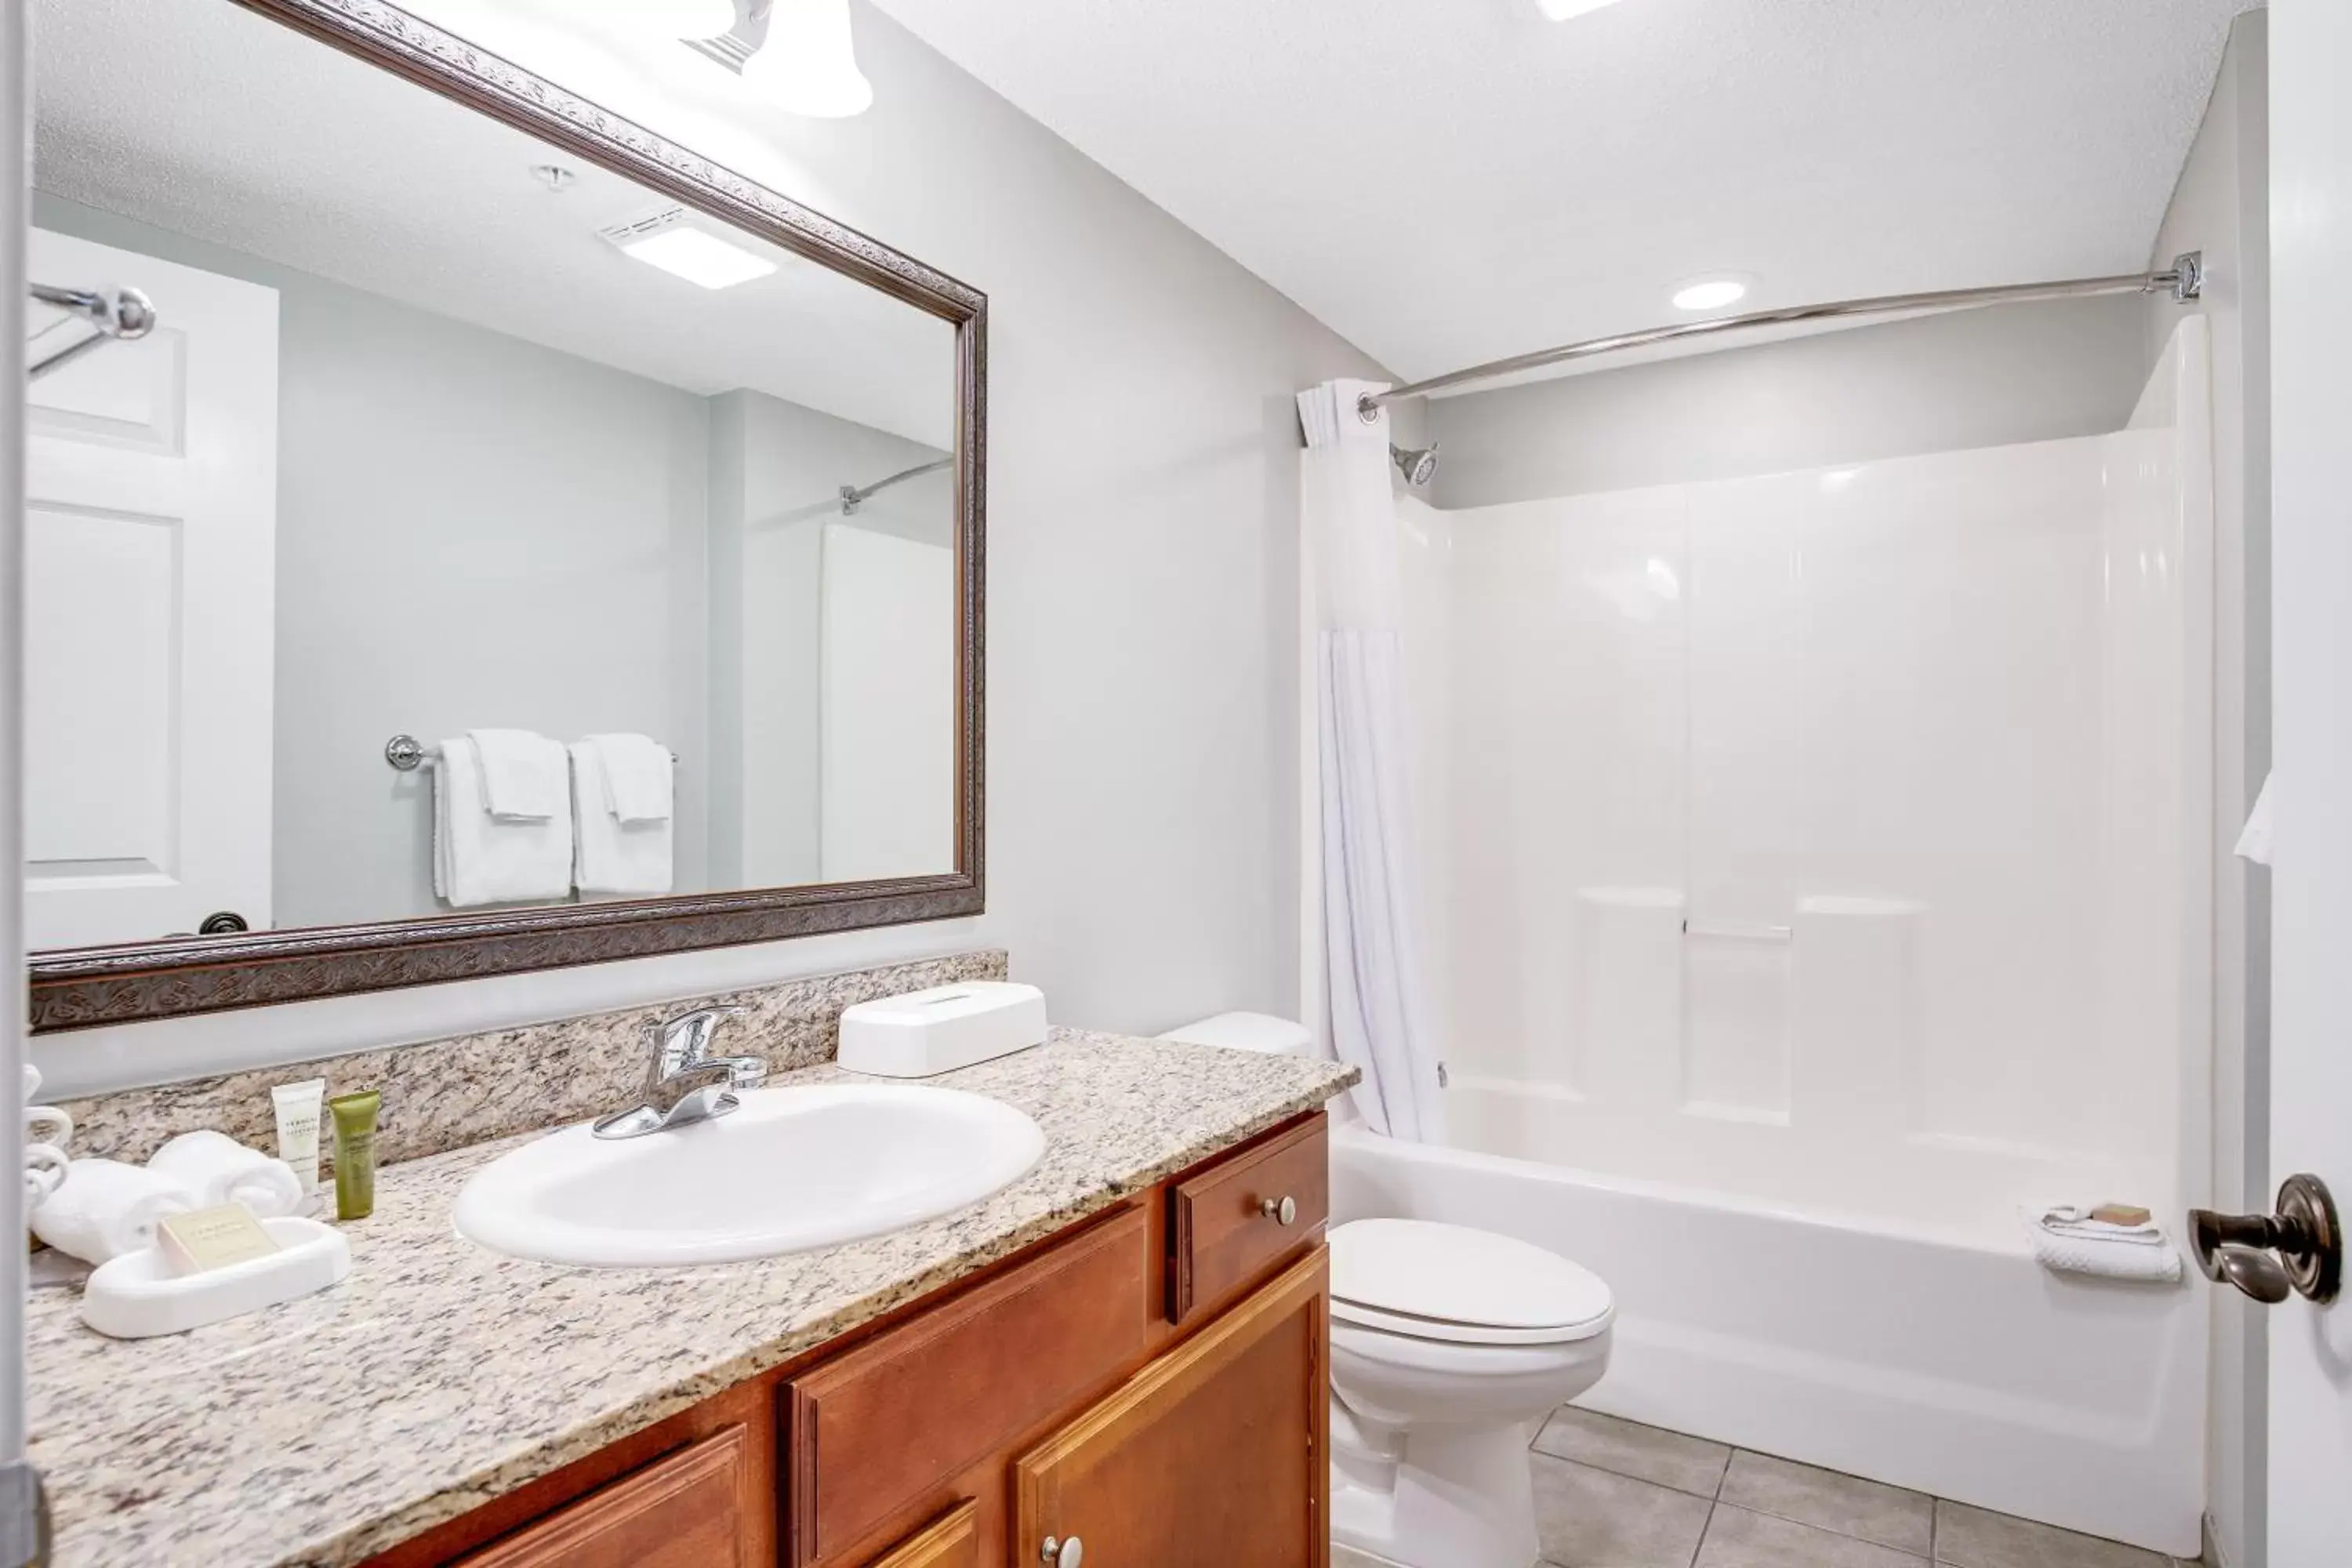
1371	924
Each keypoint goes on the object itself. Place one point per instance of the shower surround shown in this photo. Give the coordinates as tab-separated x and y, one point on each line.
1818	868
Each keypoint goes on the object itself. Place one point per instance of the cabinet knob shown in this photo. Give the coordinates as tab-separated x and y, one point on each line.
1059	1554
1282	1211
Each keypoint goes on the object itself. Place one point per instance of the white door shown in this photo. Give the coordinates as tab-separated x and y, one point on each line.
150	522
2311	951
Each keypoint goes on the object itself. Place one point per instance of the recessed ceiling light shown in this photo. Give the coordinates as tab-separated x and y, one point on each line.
673	242
1709	294
1562	10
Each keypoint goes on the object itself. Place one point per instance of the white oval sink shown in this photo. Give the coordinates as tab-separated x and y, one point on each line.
792	1169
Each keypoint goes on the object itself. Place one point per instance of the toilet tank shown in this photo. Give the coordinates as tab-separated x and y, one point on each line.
1250	1032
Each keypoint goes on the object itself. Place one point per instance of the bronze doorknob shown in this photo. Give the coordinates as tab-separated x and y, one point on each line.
2236	1249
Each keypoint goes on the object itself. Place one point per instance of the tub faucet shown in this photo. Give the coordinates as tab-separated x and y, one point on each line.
683	1081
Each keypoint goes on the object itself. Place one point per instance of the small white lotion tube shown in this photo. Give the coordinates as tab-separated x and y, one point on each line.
298	1128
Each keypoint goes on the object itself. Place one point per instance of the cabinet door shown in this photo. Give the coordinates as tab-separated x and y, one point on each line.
950	1542
686	1511
1214	1454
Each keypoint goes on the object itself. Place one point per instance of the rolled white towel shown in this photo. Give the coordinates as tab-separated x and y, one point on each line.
218	1170
104	1208
2066	1239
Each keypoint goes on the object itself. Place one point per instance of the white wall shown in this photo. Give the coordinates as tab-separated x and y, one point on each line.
2222	208
1936	384
1142	572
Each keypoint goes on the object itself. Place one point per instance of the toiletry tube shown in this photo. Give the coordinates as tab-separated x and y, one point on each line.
355	1117
297	1129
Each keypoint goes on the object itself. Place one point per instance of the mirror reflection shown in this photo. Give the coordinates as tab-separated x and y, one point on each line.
475	528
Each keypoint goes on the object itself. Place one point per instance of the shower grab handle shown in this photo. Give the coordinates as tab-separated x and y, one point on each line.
2236	1248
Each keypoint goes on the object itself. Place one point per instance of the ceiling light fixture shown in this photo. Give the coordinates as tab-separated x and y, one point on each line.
671	18
1709	294
1562	10
809	62
671	241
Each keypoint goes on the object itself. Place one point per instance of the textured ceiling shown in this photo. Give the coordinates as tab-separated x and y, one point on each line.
1451	181
203	118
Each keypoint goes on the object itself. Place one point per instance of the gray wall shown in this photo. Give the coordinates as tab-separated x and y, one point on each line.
2221	207
1971	378
1143	573
472	531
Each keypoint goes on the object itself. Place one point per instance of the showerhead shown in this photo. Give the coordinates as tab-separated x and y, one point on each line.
1418	465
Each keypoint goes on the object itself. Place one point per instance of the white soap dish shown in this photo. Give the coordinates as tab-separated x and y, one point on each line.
137	1296
936	1031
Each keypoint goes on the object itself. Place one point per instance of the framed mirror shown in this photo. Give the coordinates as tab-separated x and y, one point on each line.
518	541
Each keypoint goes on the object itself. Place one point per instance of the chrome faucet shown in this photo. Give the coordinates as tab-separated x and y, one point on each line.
683	1081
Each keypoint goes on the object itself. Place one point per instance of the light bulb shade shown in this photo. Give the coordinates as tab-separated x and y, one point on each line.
808	64
669	19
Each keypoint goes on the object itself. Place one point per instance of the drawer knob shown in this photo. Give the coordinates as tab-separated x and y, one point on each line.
1282	1211
1059	1554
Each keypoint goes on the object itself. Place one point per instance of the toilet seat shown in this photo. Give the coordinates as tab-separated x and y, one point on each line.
1453	1285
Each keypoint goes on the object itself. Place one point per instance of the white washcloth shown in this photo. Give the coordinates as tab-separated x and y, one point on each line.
614	859
216	1169
523	775
2255	842
104	1208
637	784
480	859
2067	1239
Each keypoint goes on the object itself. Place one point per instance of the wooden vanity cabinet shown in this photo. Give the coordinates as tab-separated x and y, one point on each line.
1152	1381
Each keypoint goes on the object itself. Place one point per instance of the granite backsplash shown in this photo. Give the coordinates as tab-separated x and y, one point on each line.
440	1095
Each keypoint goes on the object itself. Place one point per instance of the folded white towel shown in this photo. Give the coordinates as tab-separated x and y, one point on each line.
2067	1239
480	860
523	776
104	1208
217	1169
637	777
614	858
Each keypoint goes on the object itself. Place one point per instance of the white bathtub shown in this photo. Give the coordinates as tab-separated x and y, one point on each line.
1963	1371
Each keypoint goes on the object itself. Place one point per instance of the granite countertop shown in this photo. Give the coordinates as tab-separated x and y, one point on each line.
441	1374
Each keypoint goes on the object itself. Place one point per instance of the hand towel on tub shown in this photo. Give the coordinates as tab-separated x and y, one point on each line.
2067	1239
479	858
105	1207
620	855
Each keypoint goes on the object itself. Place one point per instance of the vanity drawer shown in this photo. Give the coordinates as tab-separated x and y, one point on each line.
875	1430
688	1510
1225	1224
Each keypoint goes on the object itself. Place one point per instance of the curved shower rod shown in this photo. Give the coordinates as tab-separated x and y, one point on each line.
852	497
2184	280
119	315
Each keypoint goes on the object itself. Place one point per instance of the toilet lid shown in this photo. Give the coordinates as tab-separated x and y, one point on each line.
1468	1287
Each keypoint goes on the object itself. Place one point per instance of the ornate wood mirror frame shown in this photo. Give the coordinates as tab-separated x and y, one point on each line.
78	988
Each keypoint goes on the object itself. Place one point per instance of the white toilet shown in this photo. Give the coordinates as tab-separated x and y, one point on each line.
1446	1344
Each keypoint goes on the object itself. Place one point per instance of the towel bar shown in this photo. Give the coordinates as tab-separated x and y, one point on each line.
406	753
1738	933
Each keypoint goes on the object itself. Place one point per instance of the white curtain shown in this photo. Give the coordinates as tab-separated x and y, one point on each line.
1371	885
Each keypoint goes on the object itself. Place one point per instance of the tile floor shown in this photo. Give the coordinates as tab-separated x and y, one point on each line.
1613	1494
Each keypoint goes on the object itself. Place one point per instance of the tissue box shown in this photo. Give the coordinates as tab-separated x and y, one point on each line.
924	1033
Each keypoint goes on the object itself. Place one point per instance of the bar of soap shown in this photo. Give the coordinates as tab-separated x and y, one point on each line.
2119	1214
204	1239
